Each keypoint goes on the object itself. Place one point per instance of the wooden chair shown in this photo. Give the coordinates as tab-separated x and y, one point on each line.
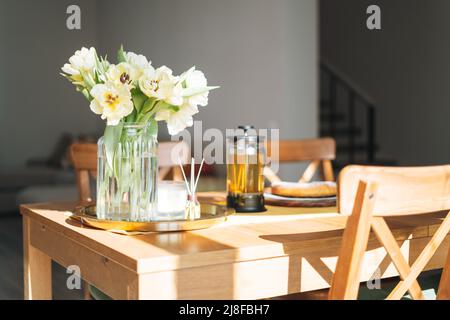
319	152
84	159
369	194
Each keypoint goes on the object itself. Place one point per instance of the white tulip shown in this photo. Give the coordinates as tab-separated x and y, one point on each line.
195	87
138	63
179	120
137	60
82	61
199	99
112	101
162	85
197	79
123	73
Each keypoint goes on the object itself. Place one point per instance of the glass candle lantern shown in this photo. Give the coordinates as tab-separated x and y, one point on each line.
172	197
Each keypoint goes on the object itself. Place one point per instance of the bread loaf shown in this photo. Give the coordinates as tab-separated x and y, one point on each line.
304	189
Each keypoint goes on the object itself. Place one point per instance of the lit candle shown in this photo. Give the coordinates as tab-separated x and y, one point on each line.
172	196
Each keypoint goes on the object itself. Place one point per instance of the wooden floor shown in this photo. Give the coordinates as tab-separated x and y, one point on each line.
11	264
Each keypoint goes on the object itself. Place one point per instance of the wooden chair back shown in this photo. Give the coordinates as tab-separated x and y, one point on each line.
84	159
402	190
319	152
169	153
369	194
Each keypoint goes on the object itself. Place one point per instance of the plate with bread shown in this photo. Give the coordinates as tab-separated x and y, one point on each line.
301	194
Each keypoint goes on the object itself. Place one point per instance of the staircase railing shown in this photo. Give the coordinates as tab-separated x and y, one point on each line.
355	94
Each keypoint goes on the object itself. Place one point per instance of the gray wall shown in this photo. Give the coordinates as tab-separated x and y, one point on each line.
262	53
36	103
405	67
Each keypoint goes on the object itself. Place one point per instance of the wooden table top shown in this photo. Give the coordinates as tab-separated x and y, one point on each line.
278	232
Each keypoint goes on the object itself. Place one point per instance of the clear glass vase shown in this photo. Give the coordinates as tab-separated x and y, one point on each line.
127	181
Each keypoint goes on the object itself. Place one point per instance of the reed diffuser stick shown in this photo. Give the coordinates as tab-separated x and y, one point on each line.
198	174
184	177
192	177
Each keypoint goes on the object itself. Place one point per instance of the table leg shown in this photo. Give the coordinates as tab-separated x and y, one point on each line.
37	268
133	288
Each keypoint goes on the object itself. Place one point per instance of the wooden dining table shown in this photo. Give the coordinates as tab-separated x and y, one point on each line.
250	256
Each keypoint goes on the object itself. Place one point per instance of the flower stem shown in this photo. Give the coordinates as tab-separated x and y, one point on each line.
144	117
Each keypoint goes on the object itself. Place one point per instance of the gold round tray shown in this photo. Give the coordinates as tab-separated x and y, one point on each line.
211	214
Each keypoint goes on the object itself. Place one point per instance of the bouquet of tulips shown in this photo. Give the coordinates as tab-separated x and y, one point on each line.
134	91
133	94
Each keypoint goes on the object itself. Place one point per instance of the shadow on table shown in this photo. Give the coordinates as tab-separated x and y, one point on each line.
320	264
190	278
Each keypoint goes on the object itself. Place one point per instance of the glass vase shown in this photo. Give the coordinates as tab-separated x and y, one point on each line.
127	181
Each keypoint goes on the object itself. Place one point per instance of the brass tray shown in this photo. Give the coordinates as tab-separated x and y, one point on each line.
211	214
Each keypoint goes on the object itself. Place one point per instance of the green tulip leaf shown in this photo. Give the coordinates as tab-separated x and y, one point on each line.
87	78
148	105
121	57
86	93
111	140
153	127
138	99
173	108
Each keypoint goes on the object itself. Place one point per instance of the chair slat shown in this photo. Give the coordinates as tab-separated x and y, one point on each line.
327	170
422	260
84	156
385	237
402	191
345	283
319	151
170	152
444	284
84	159
310	171
304	150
